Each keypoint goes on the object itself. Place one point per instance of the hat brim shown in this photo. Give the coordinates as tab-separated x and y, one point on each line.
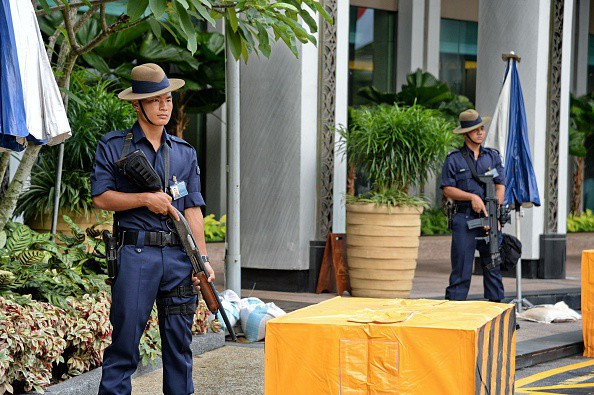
460	130
174	84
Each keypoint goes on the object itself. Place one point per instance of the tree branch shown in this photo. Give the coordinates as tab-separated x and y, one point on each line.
86	16
102	18
52	42
119	25
76	5
70	29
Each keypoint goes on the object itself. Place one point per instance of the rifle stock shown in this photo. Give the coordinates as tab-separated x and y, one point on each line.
207	289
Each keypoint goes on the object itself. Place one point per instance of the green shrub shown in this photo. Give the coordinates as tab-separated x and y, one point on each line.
54	308
40	340
424	89
434	222
215	230
396	147
51	271
581	223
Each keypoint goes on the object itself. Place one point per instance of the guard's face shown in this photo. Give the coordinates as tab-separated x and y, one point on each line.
158	109
477	135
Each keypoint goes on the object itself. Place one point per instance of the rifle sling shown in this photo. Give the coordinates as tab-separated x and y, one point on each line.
472	167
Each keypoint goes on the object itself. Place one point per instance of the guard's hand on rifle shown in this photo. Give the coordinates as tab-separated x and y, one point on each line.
157	202
209	271
478	205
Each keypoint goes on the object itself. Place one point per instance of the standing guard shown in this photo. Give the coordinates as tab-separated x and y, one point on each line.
468	193
151	264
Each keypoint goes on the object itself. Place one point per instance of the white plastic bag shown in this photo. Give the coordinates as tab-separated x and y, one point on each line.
254	317
230	303
548	313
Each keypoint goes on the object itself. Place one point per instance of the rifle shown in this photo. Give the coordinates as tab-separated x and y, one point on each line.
495	214
209	293
140	172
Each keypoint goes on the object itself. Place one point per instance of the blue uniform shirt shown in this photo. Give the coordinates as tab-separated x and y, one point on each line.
183	166
455	172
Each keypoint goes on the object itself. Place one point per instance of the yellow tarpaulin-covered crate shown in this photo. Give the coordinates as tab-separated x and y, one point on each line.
588	302
389	346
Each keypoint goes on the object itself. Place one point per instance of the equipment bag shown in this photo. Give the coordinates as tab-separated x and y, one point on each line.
511	251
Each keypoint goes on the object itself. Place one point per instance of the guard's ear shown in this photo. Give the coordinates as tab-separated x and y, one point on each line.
135	105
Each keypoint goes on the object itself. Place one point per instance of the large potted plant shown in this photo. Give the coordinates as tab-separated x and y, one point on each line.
396	147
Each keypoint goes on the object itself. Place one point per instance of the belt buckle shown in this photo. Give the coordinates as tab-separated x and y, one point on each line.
166	238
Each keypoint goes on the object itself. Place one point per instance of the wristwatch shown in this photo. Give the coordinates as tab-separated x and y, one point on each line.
205	258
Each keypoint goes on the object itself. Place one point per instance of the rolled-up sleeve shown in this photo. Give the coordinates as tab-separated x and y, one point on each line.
103	175
194	197
500	179
448	174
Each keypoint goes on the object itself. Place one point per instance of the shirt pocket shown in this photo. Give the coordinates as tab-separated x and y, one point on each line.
462	180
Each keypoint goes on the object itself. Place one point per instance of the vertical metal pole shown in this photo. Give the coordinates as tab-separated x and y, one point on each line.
58	188
233	257
519	300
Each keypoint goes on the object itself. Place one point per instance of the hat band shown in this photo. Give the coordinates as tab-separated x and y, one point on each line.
149	86
469	124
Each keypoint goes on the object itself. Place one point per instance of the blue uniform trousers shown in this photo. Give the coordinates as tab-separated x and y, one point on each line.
142	272
462	255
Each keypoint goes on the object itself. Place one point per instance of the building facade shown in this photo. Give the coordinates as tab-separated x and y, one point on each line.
293	172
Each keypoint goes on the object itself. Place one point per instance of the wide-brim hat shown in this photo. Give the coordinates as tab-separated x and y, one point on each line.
149	80
470	120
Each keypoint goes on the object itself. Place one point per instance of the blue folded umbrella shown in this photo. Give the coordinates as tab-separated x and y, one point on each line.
13	124
521	187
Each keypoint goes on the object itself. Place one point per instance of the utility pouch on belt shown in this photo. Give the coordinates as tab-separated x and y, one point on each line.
450	212
111	252
138	170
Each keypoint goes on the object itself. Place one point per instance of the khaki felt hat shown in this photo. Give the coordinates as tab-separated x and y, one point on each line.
149	80
470	120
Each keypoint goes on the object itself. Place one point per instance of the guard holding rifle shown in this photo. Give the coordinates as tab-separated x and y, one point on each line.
151	263
464	176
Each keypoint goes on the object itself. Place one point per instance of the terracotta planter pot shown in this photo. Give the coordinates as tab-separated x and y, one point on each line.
382	249
44	223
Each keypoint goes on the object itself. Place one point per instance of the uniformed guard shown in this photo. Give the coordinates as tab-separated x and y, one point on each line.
468	195
151	263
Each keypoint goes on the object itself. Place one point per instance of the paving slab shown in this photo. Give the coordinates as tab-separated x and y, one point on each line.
233	369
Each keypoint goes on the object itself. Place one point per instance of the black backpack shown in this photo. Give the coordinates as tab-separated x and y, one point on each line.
511	252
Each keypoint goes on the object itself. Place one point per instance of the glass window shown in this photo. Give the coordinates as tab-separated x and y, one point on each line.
457	56
372	51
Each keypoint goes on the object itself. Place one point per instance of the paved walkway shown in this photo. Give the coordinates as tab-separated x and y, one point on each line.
234	369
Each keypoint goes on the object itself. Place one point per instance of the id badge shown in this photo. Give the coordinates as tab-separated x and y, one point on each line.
178	190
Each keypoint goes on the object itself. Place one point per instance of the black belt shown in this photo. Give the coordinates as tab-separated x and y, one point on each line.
463	208
180	309
154	239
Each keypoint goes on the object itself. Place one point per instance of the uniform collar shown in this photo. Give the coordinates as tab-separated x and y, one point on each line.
138	134
481	150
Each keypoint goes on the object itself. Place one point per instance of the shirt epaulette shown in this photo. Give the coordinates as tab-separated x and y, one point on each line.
114	134
180	140
453	151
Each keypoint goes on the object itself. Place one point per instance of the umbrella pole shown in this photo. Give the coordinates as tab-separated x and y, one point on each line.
518	267
520	301
58	188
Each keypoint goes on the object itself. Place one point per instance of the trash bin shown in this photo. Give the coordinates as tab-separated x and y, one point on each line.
552	256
